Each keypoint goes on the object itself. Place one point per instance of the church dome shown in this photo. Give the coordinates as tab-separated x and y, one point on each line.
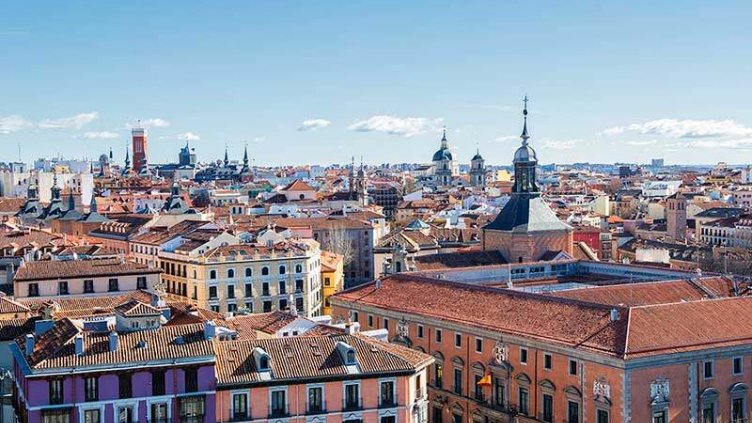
442	155
525	154
104	159
477	156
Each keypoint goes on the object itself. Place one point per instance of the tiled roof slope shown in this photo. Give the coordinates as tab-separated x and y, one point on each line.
56	347
637	294
570	322
297	358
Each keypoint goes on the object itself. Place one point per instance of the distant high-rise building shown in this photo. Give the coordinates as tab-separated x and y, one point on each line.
139	148
657	162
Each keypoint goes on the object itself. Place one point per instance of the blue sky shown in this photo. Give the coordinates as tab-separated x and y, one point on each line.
317	82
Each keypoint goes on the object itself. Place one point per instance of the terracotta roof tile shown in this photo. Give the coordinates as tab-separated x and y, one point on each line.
63	269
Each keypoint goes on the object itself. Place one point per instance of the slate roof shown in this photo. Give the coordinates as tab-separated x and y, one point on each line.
527	213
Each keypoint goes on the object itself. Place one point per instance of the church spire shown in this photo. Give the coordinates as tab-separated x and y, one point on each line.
227	160
524	135
444	142
245	156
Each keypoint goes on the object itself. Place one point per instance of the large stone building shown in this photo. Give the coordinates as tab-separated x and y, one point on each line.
445	169
527	229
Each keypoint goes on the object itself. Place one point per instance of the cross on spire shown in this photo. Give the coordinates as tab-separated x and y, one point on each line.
524	135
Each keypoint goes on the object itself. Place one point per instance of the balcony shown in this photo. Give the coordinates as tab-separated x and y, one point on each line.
387	403
352	404
279	412
313	409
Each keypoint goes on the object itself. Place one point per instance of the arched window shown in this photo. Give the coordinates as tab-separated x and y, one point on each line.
230	273
248	272
264	363
264	271
282	270
213	274
298	268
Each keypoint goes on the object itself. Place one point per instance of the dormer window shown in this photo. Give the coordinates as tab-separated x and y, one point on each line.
351	357
264	363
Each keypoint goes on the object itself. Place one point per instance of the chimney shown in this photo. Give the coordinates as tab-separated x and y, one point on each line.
614	315
29	344
113	341
210	330
42	326
79	341
378	283
352	327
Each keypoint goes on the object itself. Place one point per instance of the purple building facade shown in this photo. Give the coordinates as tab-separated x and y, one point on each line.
65	373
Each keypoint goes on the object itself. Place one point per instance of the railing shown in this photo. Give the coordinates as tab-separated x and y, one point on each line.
315	408
387	403
351	404
240	416
279	412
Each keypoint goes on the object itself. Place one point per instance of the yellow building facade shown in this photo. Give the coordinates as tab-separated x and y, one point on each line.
333	277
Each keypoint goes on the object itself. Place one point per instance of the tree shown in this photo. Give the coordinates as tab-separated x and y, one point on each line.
337	241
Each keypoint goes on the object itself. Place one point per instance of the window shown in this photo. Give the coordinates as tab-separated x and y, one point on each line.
192	409
299	285
523	355
386	323
62	288
158	382
436	416
388	419
315	400
283	304
548	408
738	369
264	271
602	416
327	281
457	388
230	273
113	285
56	416
125	414
91	389
191	379
352	397
298	268
230	291
282	270
265	289
232	308
248	290
88	288
524	401
738	412
370	320
124	384
56	391
479	396
141	282
278	407
248	272
267	306
92	416
708	412
499	397
282	287
707	369
478	345
212	292
573	412
387	394
573	367
239	406
33	290
354	316
438	375
212	274
158	412
249	306
547	361
438	335
457	340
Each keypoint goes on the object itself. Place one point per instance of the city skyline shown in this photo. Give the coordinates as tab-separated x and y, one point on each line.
608	83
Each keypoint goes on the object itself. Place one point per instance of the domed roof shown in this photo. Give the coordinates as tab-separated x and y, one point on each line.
525	154
477	156
104	158
442	154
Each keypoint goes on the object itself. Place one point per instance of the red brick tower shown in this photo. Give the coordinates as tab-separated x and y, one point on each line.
139	147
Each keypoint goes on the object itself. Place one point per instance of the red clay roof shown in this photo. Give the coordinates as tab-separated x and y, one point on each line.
58	269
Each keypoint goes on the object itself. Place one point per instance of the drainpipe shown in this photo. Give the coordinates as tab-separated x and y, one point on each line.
535	386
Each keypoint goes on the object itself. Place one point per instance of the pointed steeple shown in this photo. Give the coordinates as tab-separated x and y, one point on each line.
227	160
245	156
93	204
127	159
444	142
71	201
524	135
110	154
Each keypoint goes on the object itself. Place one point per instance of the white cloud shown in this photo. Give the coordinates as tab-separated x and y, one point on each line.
507	138
314	124
103	135
560	144
77	121
734	144
149	123
189	136
641	143
392	125
675	128
13	123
